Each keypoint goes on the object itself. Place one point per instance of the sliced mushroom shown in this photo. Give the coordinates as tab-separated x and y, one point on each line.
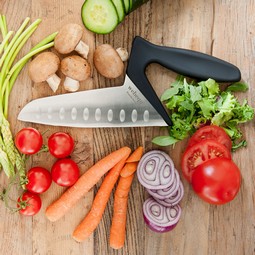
76	69
69	39
43	68
108	61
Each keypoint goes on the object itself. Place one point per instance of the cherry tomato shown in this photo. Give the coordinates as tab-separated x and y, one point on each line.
29	140
200	153
217	181
65	172
39	180
211	132
29	203
60	144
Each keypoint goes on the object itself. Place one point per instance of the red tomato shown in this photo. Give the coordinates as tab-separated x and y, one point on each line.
29	203
200	153
217	181
29	140
60	144
65	172
211	132
39	180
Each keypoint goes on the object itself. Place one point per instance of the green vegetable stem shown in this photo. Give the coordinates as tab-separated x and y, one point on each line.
192	105
11	160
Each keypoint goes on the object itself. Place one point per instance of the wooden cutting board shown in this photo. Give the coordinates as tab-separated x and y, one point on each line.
222	28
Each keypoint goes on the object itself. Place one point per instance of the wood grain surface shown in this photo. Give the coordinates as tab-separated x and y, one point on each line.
223	28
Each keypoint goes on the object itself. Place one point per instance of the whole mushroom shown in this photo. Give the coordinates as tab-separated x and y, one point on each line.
76	69
43	68
69	38
108	61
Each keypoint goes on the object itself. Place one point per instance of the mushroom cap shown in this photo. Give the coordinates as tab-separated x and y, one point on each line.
108	62
43	66
68	37
75	67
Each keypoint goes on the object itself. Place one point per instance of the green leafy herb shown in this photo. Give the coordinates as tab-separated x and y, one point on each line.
238	87
192	105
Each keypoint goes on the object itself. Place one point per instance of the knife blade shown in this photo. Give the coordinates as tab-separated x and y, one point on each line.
122	106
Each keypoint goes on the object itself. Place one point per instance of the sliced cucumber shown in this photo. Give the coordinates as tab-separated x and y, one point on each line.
99	16
120	9
126	5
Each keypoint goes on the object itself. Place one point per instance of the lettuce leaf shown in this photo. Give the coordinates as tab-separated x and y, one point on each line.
192	105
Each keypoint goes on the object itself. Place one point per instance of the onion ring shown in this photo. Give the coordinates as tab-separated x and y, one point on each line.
156	170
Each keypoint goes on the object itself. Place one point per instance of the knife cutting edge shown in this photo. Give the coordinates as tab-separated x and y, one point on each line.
135	103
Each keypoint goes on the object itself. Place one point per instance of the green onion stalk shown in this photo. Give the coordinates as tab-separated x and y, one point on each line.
11	160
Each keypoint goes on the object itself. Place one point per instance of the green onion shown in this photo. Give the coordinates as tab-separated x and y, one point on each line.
11	161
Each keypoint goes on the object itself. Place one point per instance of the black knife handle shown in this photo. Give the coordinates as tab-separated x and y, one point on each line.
186	62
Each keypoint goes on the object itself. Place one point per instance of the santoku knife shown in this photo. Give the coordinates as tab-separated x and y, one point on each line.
135	103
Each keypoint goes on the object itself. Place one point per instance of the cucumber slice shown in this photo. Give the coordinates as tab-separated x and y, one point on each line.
126	5
99	16
120	9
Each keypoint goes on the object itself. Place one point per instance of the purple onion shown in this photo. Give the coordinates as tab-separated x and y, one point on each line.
156	170
174	199
156	228
160	217
167	192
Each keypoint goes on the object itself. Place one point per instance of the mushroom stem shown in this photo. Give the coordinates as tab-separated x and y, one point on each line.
123	53
71	84
53	82
83	49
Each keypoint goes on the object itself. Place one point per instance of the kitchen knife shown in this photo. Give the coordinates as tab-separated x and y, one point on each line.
135	103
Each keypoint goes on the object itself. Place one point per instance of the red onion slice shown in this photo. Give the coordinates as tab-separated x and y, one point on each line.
160	215
156	228
156	170
167	192
174	199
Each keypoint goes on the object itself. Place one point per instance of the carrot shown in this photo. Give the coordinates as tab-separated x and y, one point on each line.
61	206
129	169
136	155
118	227
92	219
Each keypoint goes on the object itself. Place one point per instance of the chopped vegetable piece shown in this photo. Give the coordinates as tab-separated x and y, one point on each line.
156	170
200	153
167	192
160	218
211	132
99	16
119	5
61	206
173	199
